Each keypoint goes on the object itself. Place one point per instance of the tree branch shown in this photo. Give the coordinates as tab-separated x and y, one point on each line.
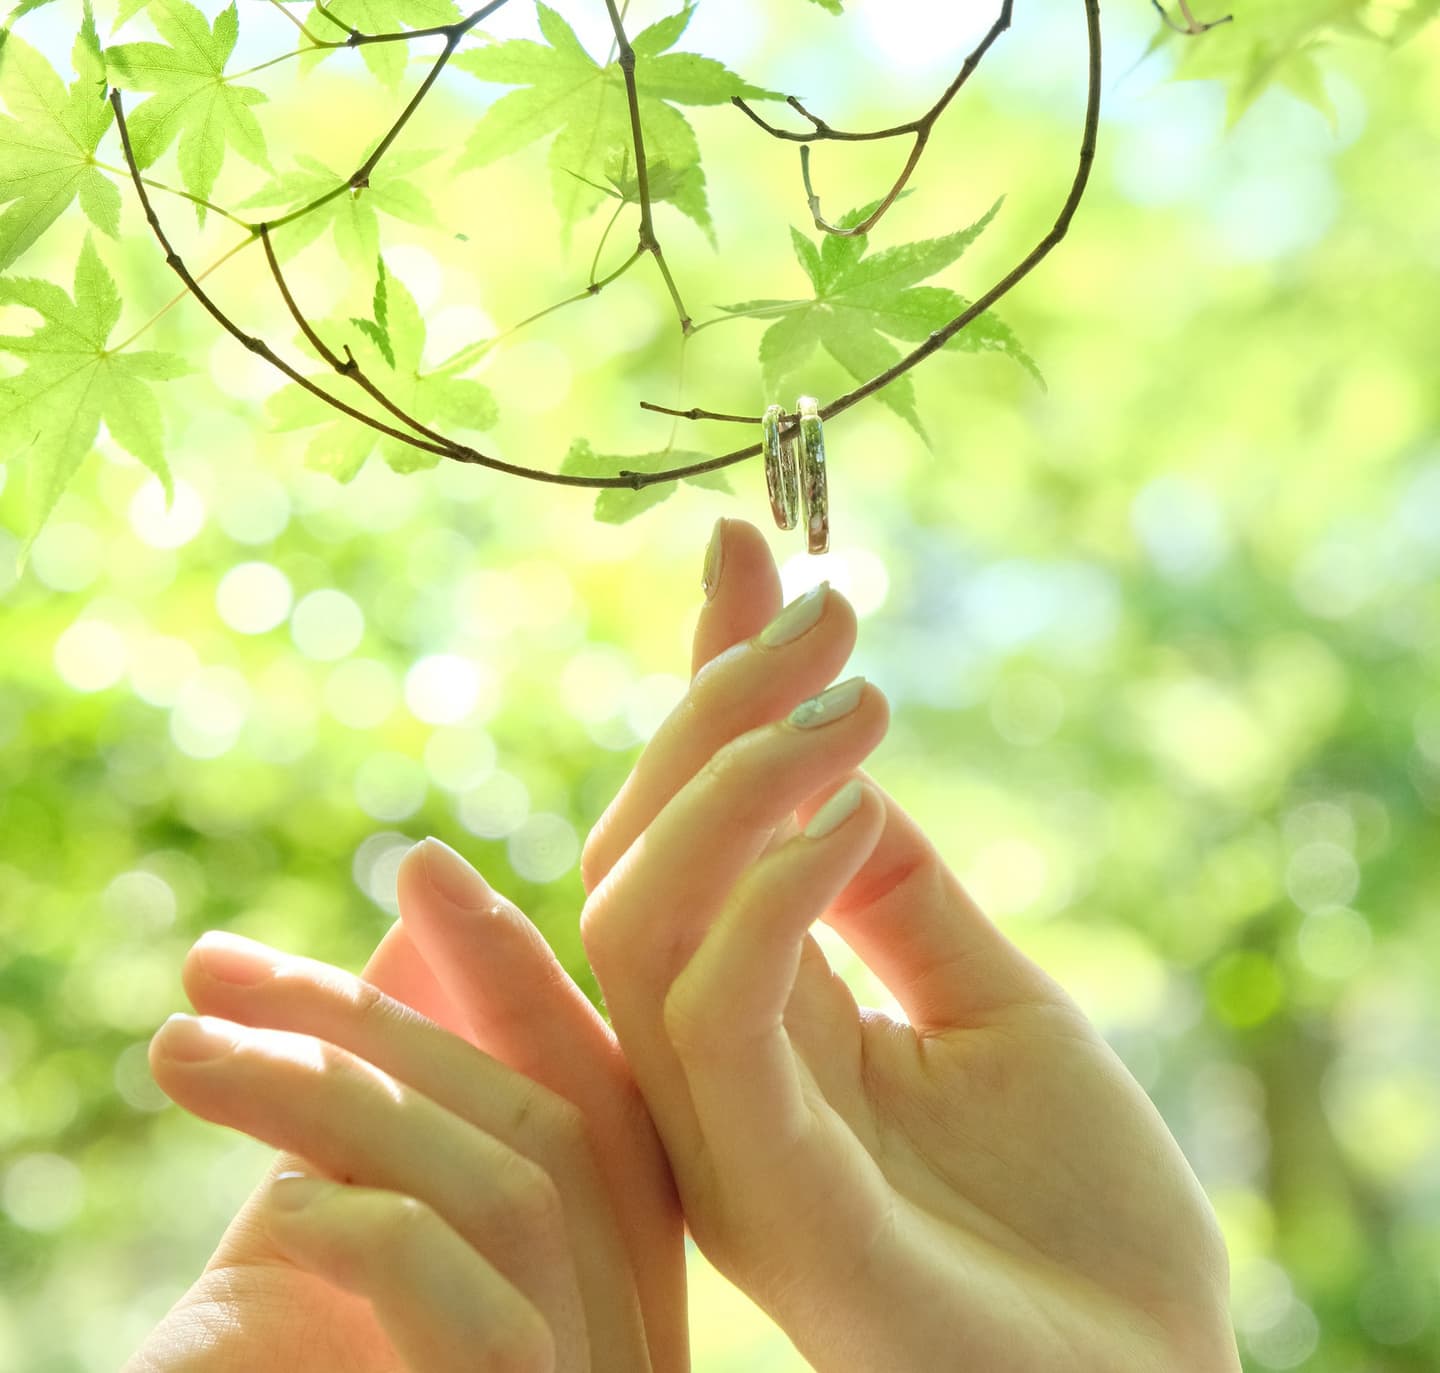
350	368
920	129
649	243
436	443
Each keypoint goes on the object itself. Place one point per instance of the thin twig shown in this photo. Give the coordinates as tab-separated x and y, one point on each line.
1192	26
360	177
1058	230
456	451
920	129
694	413
349	368
649	243
255	345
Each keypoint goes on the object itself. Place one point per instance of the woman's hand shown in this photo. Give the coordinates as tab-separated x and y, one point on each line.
507	1208
985	1187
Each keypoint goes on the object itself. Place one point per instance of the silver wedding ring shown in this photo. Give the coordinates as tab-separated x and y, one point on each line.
781	478
814	486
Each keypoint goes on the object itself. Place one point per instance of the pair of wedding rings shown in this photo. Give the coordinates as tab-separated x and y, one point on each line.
795	471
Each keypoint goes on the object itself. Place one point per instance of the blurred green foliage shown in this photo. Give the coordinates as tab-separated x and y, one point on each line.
1163	643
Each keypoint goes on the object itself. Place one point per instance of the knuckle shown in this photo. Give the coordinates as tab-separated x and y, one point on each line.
731	773
527	1199
371	1005
404	1226
556	1125
566	1128
592	927
691	1024
591	864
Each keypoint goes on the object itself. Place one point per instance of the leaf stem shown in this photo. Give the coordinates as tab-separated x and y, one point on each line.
174	190
349	368
299	23
175	300
459	360
274	61
600	247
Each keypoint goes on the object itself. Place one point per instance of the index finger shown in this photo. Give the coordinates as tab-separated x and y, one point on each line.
737	686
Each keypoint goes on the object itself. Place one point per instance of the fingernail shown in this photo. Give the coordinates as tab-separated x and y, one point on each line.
714	557
836	811
453	877
291	1191
187	1039
233	958
829	705
796	618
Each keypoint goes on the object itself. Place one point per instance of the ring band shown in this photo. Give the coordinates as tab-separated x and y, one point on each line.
781	478
814	485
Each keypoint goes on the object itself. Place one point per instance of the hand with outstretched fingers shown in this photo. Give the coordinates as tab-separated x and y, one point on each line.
984	1187
480	1187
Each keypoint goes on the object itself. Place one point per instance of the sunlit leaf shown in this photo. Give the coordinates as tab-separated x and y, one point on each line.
353	214
342	444
52	410
386	61
861	303
617	504
565	92
48	142
194	100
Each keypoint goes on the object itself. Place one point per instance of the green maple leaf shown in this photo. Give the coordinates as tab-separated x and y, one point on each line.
193	97
833	6
353	214
1412	20
51	411
565	92
46	148
385	60
388	350
616	504
1273	43
861	303
664	181
377	330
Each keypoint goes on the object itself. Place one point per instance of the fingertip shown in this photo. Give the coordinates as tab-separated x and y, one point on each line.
433	868
745	595
836	810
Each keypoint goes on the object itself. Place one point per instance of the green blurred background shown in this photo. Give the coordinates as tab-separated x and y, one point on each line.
1162	643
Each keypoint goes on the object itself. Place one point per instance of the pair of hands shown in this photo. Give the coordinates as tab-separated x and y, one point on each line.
489	1182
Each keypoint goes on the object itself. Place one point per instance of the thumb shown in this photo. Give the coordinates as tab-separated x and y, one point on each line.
911	922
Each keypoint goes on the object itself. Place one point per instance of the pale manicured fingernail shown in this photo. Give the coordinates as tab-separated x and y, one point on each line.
714	558
291	1191
187	1039
836	811
232	958
829	705
796	618
453	877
